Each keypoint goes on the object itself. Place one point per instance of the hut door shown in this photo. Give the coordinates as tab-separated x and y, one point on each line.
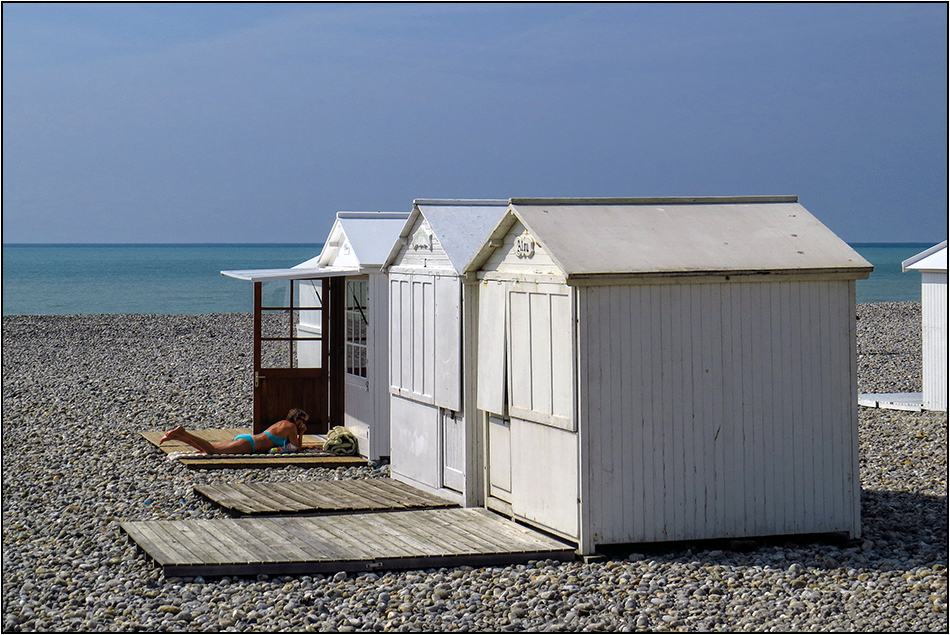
291	354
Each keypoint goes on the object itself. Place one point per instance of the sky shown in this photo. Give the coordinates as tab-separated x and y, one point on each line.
192	123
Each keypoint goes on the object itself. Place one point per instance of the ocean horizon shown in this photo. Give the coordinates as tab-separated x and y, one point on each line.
185	278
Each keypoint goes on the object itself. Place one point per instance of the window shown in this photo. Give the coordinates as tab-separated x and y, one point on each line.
357	311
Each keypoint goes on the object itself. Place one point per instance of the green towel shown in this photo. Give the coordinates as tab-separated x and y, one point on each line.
341	442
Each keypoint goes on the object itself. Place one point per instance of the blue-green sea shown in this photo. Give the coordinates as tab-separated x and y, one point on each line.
185	278
152	278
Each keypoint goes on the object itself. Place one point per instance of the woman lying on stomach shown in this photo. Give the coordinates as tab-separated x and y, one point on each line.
286	436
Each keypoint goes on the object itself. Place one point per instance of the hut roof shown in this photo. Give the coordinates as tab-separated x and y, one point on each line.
933	259
678	236
368	234
461	225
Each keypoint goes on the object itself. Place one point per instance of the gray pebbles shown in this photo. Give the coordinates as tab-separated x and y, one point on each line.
77	390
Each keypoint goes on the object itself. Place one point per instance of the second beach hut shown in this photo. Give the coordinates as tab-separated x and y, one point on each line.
436	438
668	369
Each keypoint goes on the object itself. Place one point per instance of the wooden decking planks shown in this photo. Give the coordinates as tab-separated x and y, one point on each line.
272	460
210	462
319	497
356	542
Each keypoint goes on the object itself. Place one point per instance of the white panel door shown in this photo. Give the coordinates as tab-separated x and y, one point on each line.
416	443
541	354
544	476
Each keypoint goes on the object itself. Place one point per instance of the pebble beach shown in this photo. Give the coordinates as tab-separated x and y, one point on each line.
78	390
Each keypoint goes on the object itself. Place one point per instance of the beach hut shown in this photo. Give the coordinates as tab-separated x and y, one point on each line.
323	344
668	369
435	432
932	265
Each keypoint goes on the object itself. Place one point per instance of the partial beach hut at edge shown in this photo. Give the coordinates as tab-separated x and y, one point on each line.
932	265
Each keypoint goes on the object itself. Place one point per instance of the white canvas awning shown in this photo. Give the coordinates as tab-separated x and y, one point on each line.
293	273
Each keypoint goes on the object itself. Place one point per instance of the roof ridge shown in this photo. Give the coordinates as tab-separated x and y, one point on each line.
669	200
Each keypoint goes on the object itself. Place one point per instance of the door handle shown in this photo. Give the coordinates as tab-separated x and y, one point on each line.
257	379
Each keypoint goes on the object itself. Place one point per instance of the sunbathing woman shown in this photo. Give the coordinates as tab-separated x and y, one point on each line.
287	435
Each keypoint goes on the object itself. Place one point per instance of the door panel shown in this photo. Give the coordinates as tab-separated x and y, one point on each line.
285	337
280	389
453	451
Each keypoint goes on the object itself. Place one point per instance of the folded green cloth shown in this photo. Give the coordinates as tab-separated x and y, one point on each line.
341	442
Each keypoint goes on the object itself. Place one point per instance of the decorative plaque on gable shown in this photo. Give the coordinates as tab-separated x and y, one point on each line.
524	245
422	239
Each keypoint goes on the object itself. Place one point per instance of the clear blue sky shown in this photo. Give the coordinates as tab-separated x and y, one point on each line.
257	122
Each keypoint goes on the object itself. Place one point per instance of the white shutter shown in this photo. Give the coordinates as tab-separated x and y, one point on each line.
448	342
491	347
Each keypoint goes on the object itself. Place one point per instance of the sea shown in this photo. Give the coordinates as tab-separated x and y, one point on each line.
65	279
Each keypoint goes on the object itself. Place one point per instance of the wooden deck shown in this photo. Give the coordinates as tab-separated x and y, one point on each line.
320	497
241	461
296	545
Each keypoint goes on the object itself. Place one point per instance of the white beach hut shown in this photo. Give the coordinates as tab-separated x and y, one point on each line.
669	369
330	333
436	434
932	265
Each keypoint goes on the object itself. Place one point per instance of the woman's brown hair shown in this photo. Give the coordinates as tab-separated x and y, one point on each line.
297	413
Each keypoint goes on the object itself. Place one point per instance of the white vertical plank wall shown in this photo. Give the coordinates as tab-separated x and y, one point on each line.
719	410
934	323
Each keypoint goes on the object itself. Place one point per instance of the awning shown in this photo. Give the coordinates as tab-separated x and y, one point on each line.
293	273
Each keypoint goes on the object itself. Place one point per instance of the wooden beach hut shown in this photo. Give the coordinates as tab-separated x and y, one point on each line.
322	344
668	369
433	318
932	265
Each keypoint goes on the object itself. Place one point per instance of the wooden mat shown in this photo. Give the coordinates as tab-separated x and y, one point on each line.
295	545
320	497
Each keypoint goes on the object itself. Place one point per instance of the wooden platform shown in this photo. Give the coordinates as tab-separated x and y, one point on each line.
241	461
912	401
320	497
358	542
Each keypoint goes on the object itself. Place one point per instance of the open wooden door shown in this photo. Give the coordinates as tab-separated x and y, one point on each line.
295	354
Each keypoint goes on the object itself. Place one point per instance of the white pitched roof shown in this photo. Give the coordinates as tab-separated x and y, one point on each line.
359	239
461	225
679	236
933	259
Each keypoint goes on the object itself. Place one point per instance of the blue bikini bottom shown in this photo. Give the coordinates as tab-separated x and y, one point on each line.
249	438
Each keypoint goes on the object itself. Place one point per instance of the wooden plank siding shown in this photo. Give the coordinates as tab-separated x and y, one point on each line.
718	410
357	542
317	497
